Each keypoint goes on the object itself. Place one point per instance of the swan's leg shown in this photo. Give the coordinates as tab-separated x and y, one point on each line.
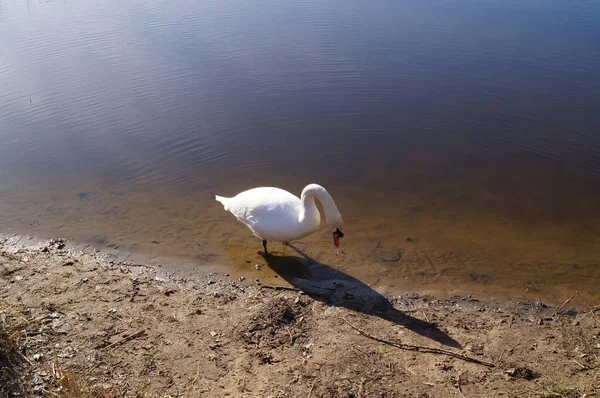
265	246
285	245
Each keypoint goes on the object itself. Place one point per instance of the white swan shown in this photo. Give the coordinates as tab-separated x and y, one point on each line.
275	214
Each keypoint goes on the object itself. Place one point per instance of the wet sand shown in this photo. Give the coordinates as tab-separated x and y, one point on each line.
91	324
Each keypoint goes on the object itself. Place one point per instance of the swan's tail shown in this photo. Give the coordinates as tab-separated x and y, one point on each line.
223	200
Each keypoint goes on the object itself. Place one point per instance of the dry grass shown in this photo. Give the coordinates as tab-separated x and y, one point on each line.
66	384
17	371
561	392
12	361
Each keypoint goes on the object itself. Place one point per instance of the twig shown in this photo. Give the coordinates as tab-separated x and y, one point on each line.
457	385
586	304
582	366
425	315
565	303
197	373
360	387
311	388
291	337
420	348
11	271
509	352
24	357
126	339
358	350
293	289
592	309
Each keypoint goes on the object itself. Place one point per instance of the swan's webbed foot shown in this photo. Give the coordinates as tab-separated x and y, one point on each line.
265	247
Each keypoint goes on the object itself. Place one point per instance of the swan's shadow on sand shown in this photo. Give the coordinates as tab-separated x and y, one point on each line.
336	288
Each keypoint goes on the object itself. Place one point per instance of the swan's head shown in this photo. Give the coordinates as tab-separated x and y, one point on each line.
337	234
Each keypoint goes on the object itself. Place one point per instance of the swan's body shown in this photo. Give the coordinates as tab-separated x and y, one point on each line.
276	214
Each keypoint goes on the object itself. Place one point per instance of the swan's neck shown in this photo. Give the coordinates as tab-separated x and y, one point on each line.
310	217
310	212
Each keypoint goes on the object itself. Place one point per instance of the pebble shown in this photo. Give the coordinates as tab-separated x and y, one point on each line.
258	267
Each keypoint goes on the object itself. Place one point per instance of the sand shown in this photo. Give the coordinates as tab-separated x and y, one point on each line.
81	324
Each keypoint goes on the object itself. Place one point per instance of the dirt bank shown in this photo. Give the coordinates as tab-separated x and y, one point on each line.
76	324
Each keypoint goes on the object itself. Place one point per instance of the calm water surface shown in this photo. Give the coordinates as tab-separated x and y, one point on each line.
471	127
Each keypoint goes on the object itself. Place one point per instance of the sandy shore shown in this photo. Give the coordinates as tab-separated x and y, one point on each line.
75	324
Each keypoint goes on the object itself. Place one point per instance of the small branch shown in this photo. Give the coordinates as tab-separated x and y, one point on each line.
293	289
420	348
197	373
460	391
360	388
567	301
11	271
457	385
426	317
592	309
584	367
586	304
311	388
126	339
24	357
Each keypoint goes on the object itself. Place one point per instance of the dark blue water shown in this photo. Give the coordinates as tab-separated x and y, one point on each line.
166	90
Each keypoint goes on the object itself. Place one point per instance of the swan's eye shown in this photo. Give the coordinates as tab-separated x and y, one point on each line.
339	233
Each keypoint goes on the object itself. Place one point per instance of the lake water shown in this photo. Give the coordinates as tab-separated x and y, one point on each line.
470	127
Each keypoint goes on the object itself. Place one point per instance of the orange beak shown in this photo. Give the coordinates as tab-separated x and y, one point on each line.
336	239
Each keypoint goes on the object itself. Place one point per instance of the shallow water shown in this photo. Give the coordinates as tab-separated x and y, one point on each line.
468	127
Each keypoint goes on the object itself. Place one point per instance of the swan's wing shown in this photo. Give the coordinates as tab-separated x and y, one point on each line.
279	222
270	213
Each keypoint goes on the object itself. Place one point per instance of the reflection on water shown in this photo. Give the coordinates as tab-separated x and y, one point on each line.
469	127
